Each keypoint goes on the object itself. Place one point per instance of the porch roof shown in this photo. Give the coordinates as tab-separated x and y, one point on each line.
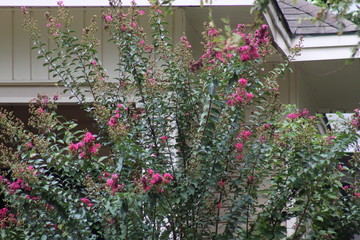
299	19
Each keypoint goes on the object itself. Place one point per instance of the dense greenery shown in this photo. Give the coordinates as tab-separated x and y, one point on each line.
185	149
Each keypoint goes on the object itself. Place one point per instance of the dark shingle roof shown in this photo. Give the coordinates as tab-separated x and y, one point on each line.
299	15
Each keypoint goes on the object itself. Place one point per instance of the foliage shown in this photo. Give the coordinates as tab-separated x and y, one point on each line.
186	149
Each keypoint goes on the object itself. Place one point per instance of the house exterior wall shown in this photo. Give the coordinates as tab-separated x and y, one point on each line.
22	75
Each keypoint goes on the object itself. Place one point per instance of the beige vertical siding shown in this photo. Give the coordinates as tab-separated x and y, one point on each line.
22	75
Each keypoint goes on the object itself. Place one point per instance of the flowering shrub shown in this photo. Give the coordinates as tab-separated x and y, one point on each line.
205	151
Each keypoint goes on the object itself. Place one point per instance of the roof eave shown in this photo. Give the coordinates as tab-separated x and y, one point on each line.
315	46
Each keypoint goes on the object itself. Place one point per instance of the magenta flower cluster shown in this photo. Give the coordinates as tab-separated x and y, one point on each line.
303	113
86	202
86	146
154	181
356	119
115	118
242	138
223	52
6	219
240	95
112	183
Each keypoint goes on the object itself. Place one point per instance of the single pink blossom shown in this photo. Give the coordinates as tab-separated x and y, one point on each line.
292	115
93	62
249	96
58	25
112	122
244	135
40	110
239	147
303	113
168	177
95	148
110	182
60	3
222	183
29	145
73	147
156	179
213	32
150	171
85	200
141	12
242	81
88	137
108	18
164	138
23	10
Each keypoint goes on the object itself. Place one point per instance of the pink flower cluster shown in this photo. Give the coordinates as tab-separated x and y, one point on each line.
108	18
17	185
7	219
86	146
52	23
163	138
154	181
243	137
250	50
115	118
113	184
356	119
240	95
32	198
86	202
184	40
223	52
302	113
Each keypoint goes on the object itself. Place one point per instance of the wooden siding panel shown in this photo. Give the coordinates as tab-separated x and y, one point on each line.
21	49
6	45
38	71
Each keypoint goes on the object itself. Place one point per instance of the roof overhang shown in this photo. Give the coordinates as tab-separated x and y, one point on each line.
315	47
105	3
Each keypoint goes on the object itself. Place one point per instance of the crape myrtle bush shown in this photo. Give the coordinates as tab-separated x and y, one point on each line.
186	148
